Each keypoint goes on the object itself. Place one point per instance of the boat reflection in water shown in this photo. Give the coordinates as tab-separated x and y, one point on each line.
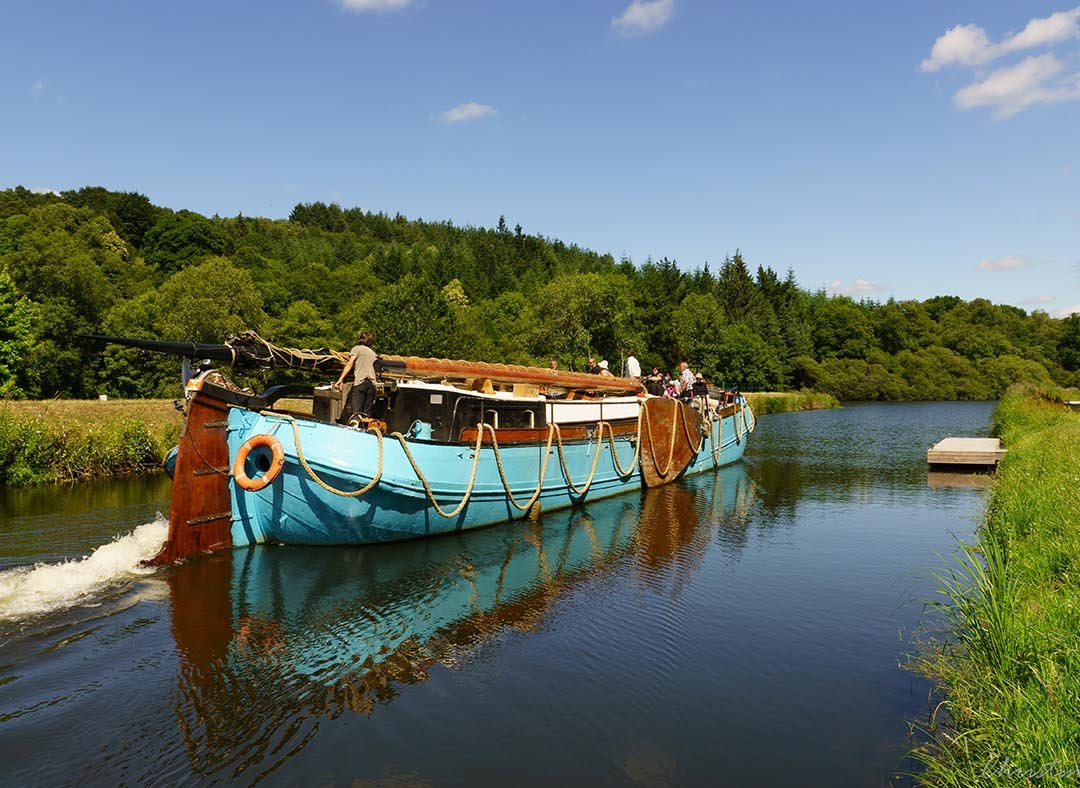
275	639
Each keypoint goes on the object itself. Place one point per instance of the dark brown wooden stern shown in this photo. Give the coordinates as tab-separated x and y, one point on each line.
200	515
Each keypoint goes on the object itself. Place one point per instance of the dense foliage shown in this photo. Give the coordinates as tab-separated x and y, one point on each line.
99	261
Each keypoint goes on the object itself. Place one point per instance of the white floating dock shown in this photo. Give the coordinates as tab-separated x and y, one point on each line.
966	451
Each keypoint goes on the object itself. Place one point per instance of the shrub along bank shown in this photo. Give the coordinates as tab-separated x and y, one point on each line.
1009	666
62	441
763	403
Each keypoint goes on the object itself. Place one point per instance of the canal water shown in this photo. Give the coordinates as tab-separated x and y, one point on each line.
746	627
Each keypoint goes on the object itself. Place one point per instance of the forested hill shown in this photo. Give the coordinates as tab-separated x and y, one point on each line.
99	261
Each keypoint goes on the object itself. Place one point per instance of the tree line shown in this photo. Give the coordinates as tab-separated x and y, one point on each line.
99	261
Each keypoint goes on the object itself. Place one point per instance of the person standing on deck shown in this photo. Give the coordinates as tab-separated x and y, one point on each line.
362	363
592	367
604	371
686	377
633	367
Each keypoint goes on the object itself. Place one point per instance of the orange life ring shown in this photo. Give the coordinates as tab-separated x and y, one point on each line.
276	464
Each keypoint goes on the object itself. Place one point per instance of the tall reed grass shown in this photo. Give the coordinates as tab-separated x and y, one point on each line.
787	401
41	444
1008	663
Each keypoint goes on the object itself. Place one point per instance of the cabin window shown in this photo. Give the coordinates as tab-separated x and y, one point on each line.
501	416
510	418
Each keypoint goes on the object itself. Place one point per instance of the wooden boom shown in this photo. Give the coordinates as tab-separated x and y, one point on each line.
442	368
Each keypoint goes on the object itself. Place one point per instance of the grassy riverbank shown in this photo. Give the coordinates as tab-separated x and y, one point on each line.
65	440
1009	666
764	402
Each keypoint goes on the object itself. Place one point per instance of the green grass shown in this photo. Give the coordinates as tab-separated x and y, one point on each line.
66	440
1008	665
787	401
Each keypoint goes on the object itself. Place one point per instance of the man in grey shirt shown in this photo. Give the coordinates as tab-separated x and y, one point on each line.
362	363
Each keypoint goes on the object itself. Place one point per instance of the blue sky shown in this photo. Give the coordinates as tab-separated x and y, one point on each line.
904	149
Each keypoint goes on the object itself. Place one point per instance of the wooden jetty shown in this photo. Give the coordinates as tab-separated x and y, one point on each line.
966	451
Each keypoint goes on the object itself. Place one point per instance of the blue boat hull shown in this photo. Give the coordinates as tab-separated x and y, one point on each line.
296	509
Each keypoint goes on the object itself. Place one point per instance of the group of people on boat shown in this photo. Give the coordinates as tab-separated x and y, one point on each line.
683	383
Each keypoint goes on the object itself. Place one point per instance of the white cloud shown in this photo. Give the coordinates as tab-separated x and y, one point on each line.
643	16
1059	26
965	45
467	111
968	45
859	287
38	87
1067	311
374	5
1010	263
43	190
1034	80
1042	298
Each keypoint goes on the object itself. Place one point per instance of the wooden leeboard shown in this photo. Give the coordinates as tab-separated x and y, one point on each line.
200	514
966	451
660	461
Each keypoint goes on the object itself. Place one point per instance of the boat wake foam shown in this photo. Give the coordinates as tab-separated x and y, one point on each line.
44	588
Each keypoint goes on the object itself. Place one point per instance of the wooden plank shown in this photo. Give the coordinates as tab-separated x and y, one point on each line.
966	451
